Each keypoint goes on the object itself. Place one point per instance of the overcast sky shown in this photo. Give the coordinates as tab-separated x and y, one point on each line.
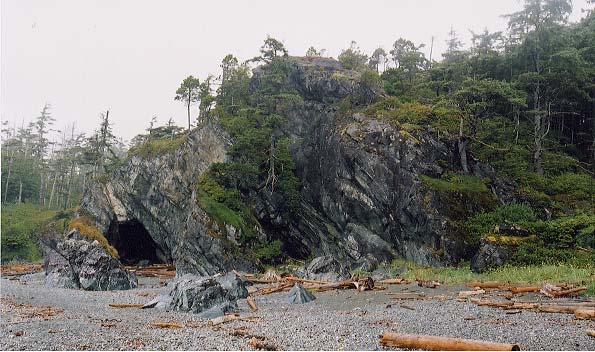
84	57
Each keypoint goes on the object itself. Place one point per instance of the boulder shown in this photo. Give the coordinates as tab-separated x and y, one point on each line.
76	262
489	255
234	284
299	295
205	295
326	268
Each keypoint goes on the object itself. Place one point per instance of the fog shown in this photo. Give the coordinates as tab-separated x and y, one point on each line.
84	57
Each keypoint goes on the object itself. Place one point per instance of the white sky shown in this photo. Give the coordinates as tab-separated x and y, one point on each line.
84	57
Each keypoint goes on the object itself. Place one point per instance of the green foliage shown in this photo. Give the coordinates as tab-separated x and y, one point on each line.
567	231
353	58
483	223
269	253
535	274
155	146
457	183
539	254
21	229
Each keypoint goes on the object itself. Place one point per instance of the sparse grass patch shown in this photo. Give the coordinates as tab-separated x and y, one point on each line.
457	183
86	228
154	147
528	274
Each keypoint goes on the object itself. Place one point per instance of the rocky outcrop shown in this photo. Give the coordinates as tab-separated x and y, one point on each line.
490	254
363	197
326	268
207	297
76	262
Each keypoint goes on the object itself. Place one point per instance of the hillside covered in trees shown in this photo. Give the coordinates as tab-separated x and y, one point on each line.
497	141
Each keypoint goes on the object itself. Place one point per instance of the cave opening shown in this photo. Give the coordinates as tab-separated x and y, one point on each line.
134	244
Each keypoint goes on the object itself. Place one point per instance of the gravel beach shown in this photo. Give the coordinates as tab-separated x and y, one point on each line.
336	320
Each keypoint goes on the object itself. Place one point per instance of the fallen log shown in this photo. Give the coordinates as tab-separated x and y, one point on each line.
465	294
569	292
524	289
251	303
396	281
491	304
438	343
584	313
406	295
125	305
305	281
557	309
489	284
223	319
166	324
590	332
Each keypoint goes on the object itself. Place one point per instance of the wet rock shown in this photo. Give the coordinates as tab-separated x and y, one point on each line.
298	295
489	255
80	263
204	296
326	268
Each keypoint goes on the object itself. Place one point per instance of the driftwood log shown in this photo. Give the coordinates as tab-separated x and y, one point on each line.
438	343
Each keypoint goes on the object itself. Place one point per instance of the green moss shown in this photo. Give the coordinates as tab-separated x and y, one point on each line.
86	228
457	183
155	147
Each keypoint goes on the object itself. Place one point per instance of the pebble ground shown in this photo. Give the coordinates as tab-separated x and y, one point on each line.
336	320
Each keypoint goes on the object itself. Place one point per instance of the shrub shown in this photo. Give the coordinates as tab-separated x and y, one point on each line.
458	183
21	227
268	253
483	223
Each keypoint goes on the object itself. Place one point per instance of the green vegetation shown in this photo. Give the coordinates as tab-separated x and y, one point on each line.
157	146
85	227
457	183
521	274
21	229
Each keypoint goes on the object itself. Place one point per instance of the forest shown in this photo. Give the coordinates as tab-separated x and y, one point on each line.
522	101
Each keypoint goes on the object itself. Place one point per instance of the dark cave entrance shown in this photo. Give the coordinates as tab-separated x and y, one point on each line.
134	243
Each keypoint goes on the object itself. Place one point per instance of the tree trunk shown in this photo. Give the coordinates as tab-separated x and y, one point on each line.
462	146
53	189
189	110
20	190
8	176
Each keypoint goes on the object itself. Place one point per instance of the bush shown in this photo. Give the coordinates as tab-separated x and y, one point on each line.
269	253
21	227
483	223
538	254
568	231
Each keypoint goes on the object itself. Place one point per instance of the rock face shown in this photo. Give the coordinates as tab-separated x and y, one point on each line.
79	263
490	254
207	297
326	268
363	199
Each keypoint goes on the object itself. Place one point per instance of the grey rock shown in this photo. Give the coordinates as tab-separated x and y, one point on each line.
490	255
78	263
160	302
234	284
299	295
204	296
326	268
